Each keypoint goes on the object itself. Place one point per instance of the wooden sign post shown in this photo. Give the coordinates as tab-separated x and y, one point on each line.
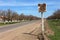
42	8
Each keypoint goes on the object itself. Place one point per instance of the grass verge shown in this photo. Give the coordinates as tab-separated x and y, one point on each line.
55	26
7	23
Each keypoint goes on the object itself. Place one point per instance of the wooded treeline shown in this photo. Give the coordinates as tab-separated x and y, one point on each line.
10	15
56	15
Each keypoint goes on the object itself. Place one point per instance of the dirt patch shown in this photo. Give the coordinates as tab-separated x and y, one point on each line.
48	30
18	33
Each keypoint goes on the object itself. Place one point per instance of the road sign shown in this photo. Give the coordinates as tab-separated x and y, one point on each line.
42	7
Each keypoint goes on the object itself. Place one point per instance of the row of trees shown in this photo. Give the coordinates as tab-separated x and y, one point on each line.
56	15
10	15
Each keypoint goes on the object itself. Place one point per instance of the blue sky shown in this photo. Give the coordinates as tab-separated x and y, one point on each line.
30	7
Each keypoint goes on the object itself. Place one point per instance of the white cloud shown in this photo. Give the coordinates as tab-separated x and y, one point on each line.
17	4
7	3
14	3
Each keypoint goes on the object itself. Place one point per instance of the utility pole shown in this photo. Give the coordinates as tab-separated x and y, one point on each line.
42	8
42	21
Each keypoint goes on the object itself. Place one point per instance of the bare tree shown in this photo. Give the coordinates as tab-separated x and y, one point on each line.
15	16
3	15
56	15
9	15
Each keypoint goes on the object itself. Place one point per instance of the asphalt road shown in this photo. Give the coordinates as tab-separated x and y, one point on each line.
11	26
